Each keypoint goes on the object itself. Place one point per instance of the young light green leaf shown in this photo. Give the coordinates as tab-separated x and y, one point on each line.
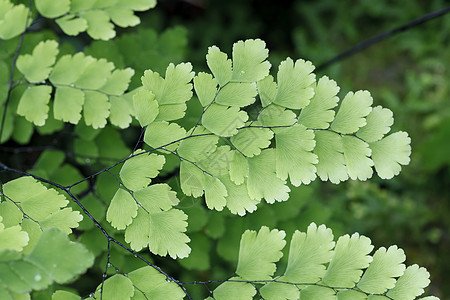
68	70
156	197
99	26
319	112
274	290
94	73
308	254
51	9
267	90
33	104
175	88
122	17
410	284
167	234
118	82
249	61
381	273
199	146
121	210
314	292
352	112
154	285
238	168
12	238
64	219
170	112
37	66
223	120
350	256
218	162
329	150
262	180
116	287
235	290
72	25
137	232
356	295
138	171
120	114
379	122
295	84
219	64
389	153
163	135
191	179
294	156
215	193
13	20
238	201
237	94
275	115
356	155
96	109
259	252
68	104
205	87
65	295
250	141
145	106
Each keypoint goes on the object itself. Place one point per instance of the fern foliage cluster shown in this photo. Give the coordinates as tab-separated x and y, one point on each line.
257	134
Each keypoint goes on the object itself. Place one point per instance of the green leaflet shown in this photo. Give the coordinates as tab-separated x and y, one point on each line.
379	122
318	113
52	9
116	286
356	155
236	94
163	135
205	87
389	153
267	90
274	115
199	146
37	67
72	25
156	198
137	172
238	168
329	150
295	84
215	193
13	19
12	238
294	156
191	179
223	120
33	104
219	64
122	209
410	284
250	141
175	88
68	104
65	295
352	112
249	61
258	253
237	200
96	109
145	106
99	26
234	290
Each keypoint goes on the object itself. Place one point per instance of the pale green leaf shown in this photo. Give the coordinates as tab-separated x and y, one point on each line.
118	82
352	112
96	109
72	25
164	135
145	107
205	87
237	94
410	284
223	120
156	197
219	64
13	21
170	112
81	5
167	234
68	104
295	84
218	162
121	210
99	25
137	232
122	17
215	193
65	295
120	114
319	112
267	90
235	290
42	204
199	146
350	256
138	171
262	180
329	150
275	115
294	156
356	155
175	88
33	104
52	9
258	253
308	254
250	141
12	238
353	295
37	66
379	122
116	287
154	285
68	70
249	61
61	258
95	73
238	201
279	291
238	168
389	153
314	292
64	219
381	273
191	179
